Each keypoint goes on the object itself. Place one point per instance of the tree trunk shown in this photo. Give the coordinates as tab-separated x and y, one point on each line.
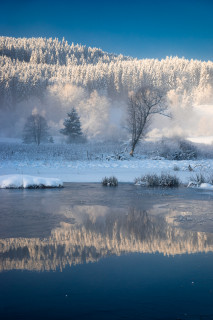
133	148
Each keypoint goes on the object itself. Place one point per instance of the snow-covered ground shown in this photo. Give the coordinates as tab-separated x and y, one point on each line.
95	170
90	164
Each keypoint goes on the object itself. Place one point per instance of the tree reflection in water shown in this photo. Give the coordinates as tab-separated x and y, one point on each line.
97	236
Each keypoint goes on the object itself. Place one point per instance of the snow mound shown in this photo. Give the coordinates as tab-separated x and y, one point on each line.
207	186
23	181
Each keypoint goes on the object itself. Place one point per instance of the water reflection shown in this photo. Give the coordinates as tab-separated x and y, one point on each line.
99	232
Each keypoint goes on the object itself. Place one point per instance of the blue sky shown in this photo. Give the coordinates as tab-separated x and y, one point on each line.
143	29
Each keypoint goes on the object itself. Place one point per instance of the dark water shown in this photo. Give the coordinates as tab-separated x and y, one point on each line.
89	252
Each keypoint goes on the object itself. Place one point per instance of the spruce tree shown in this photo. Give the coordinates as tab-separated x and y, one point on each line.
72	127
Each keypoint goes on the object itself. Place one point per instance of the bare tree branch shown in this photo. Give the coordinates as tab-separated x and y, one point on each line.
142	105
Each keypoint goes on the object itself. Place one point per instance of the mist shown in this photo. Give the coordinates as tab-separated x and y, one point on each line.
191	116
52	77
103	118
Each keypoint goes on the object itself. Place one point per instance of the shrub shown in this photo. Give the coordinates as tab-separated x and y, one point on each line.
111	182
176	149
190	168
154	180
187	151
176	168
200	178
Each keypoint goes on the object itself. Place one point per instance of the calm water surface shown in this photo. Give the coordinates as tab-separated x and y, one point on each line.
89	252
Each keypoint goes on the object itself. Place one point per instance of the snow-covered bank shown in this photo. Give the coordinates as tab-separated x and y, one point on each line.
24	181
94	171
91	162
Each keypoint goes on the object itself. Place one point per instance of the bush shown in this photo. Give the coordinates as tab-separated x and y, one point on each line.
154	180
187	151
176	168
200	178
111	182
176	149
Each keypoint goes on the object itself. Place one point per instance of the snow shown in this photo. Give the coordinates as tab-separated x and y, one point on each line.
88	163
96	170
207	186
25	181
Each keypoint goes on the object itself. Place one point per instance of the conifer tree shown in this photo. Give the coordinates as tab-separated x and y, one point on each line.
72	127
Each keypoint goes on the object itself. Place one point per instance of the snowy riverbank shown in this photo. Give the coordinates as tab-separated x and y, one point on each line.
94	171
92	161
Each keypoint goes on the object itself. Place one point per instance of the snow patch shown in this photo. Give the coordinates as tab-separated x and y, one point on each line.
207	186
24	181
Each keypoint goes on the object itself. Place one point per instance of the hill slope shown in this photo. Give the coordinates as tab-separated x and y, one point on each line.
53	76
28	66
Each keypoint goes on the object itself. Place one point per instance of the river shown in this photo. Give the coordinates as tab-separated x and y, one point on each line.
93	252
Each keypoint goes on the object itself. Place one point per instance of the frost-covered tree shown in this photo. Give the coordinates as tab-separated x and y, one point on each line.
142	105
72	127
29	66
32	68
36	130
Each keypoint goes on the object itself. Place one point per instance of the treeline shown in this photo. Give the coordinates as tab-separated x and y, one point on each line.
29	66
53	51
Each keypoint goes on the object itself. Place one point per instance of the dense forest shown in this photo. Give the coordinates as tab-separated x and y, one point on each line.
37	68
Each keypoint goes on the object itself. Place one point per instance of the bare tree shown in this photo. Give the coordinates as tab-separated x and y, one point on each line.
36	130
142	105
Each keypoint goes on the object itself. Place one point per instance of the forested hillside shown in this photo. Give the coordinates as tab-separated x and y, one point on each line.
28	66
35	67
